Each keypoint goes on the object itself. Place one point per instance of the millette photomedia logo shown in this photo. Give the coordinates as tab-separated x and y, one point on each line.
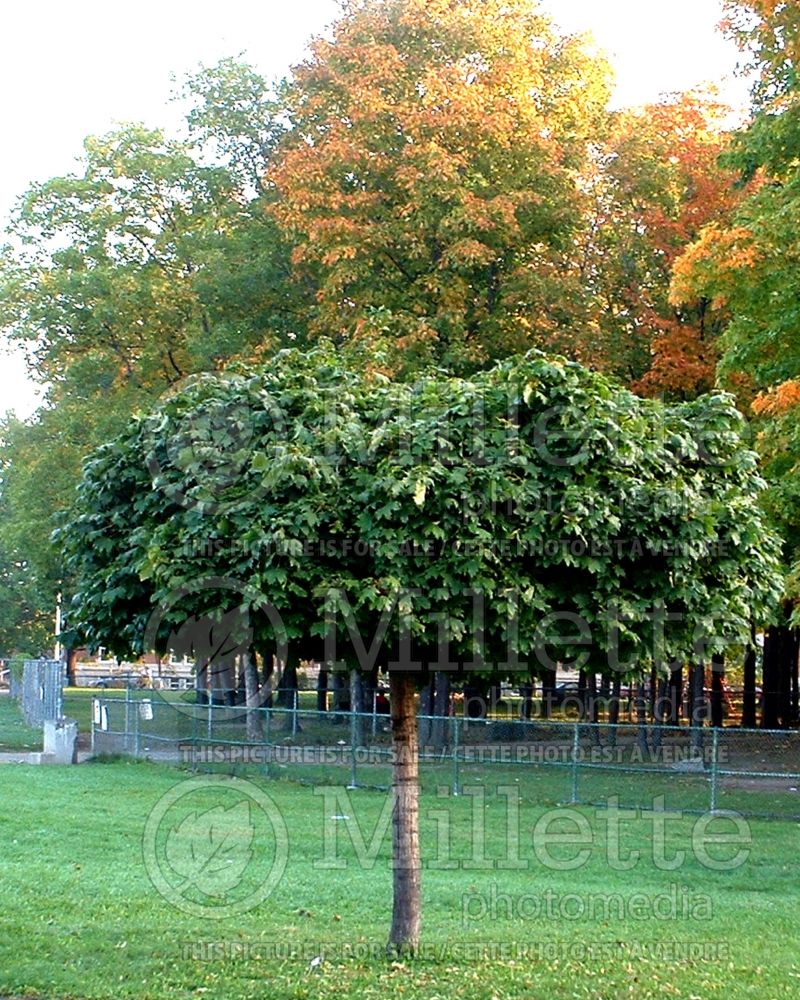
215	846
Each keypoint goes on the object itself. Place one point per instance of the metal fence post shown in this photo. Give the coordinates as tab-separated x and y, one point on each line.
714	767
194	740
456	741
353	741
127	714
135	730
575	751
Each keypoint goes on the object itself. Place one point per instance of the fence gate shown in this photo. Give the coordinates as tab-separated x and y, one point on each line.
41	692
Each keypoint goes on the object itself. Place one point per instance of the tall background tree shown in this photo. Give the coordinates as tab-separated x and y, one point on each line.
430	180
657	183
747	270
158	261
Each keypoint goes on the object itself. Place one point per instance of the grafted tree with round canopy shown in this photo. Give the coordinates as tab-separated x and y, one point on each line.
486	513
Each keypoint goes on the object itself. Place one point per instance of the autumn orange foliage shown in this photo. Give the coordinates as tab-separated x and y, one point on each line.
430	180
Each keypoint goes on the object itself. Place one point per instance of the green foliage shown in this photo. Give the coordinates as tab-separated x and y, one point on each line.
747	270
536	489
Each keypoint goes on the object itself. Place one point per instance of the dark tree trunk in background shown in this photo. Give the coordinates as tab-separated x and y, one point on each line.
369	685
660	711
441	708
779	680
749	693
322	691
72	660
770	684
582	697
341	697
641	718
786	653
288	686
613	710
717	690
231	687
697	683
407	900
675	695
288	697
255	731
548	693
201	682
793	666
591	707
357	706
475	700
268	678
241	690
653	692
425	710
526	706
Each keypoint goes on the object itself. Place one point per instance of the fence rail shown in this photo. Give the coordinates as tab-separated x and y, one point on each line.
681	769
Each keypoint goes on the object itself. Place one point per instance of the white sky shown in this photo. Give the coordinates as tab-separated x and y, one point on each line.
71	69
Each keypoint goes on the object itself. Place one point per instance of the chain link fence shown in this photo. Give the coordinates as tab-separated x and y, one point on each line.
680	769
38	686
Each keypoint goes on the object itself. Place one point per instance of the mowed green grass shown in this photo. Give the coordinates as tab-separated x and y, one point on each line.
79	917
15	734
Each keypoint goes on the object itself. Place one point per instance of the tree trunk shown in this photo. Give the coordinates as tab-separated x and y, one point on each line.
288	686
341	698
441	708
201	682
654	692
675	696
548	693
322	691
641	718
697	683
613	710
406	910
660	711
72	660
770	694
526	708
582	716
252	690
241	685
357	705
268	678
749	693
591	708
717	690
424	725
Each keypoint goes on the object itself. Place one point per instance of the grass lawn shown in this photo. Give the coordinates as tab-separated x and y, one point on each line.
80	918
15	734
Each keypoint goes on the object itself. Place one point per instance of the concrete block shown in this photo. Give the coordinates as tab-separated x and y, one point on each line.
60	739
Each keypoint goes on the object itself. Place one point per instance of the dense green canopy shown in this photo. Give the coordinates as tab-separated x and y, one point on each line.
534	512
